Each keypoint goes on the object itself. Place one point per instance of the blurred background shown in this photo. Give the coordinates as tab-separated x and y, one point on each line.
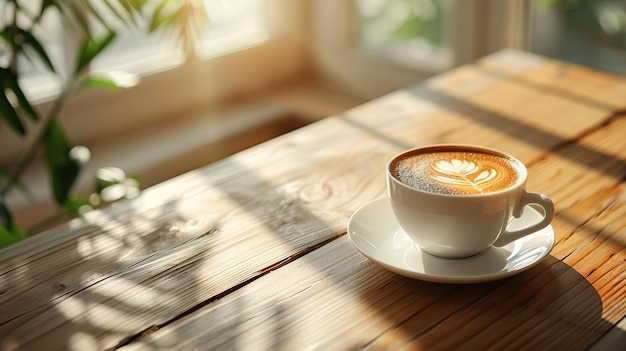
260	68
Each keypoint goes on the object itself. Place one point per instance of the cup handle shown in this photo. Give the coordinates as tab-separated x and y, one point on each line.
508	237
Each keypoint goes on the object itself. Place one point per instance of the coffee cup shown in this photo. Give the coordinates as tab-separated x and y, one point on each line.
456	201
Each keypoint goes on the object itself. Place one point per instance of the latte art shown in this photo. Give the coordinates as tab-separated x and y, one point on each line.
463	173
456	172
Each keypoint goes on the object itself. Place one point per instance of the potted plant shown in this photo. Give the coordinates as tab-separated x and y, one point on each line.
19	40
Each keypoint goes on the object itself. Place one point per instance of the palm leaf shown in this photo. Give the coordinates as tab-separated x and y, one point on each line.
125	16
77	15
8	38
90	10
5	216
9	82
45	4
100	81
62	168
164	16
91	47
137	5
113	80
36	46
10	116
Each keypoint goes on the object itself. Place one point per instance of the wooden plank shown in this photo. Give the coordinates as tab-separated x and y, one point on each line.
571	311
333	298
583	304
583	167
470	105
194	247
192	239
570	80
591	233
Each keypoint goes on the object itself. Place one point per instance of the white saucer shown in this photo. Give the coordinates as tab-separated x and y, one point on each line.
375	232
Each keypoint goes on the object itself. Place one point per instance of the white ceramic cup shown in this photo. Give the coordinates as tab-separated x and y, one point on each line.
457	226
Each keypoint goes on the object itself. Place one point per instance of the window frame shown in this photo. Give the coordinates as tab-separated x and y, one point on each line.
180	89
344	65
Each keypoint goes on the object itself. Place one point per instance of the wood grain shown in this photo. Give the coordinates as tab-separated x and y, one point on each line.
218	230
362	306
577	82
554	305
250	252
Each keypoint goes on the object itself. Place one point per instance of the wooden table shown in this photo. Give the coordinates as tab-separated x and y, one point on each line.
252	253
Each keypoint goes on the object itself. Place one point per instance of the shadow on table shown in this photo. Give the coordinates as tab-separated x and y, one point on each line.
112	253
569	303
537	305
534	303
550	306
517	128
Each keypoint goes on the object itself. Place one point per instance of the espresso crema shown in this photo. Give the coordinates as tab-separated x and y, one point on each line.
455	171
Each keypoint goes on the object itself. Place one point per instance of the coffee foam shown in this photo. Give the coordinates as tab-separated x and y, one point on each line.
456	172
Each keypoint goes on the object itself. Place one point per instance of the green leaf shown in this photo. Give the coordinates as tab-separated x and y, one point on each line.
45	4
164	15
91	47
62	168
126	5
137	4
78	15
10	115
126	17
10	235
113	80
75	205
5	216
9	81
63	14
5	34
6	175
99	81
9	231
36	46
98	15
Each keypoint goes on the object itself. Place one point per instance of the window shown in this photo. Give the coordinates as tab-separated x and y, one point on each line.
244	48
408	30
371	47
587	32
231	25
247	46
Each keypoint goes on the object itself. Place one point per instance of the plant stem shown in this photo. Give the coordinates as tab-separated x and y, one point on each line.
13	28
30	154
